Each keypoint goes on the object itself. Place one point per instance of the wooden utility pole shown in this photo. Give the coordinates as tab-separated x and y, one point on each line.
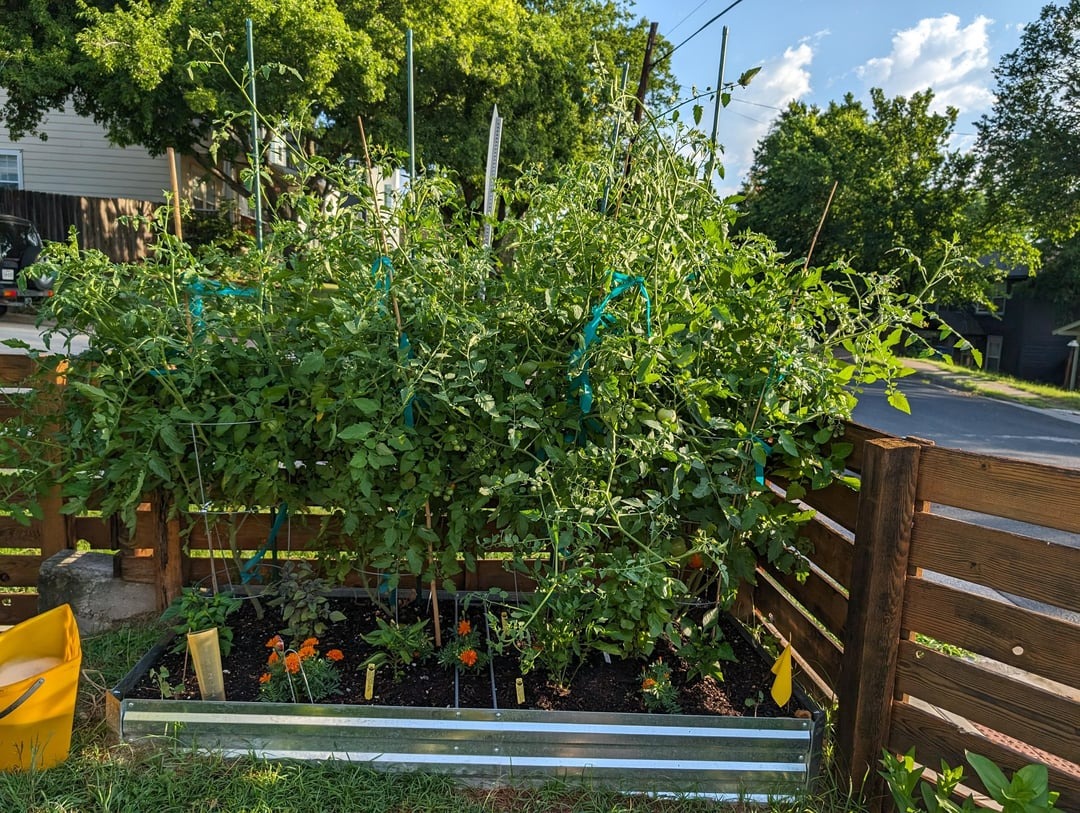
646	70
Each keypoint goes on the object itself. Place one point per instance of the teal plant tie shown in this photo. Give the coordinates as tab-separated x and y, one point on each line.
580	384
382	265
248	571
759	469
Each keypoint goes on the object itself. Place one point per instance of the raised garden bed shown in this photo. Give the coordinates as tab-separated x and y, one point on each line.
471	725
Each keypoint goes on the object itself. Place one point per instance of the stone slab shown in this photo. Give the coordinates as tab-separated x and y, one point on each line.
100	600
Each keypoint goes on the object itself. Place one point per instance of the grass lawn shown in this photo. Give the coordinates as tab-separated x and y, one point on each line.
103	777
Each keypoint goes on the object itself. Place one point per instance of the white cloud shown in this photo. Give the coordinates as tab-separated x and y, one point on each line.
937	53
748	118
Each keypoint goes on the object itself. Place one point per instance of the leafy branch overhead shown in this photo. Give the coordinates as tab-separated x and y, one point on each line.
129	67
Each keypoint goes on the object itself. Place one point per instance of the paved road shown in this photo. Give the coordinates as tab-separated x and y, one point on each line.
975	423
20	326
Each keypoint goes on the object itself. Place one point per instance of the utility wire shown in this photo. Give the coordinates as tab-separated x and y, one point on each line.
676	26
662	57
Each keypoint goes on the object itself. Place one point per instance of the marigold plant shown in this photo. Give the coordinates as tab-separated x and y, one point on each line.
299	675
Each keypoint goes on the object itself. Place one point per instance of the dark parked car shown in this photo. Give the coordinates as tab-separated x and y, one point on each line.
20	245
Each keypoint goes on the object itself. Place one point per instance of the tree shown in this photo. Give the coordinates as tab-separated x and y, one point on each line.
1028	143
898	186
137	68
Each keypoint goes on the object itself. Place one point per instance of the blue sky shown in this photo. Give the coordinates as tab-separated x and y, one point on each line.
818	50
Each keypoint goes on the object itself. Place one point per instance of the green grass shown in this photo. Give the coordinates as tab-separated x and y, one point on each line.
103	777
998	385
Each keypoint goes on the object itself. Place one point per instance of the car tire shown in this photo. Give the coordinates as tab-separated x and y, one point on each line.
3	309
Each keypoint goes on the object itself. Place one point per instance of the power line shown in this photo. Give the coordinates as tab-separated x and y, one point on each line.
661	58
688	16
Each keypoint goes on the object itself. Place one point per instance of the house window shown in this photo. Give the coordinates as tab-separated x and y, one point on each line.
11	169
999	296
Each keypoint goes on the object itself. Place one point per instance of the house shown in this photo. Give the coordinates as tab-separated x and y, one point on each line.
1072	331
1018	337
77	159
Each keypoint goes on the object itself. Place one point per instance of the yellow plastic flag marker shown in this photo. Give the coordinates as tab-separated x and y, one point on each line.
519	686
369	682
505	624
781	688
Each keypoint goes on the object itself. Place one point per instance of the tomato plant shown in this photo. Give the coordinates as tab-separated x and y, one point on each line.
602	395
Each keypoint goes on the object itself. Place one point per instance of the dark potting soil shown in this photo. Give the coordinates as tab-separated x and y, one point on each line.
599	685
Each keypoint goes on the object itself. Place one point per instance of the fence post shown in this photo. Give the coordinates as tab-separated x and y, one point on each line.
56	529
168	552
875	609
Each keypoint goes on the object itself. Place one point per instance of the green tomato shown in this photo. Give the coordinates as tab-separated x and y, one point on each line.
665	415
678	546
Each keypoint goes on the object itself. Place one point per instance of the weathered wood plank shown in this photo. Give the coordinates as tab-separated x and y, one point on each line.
833	552
1020	709
857	435
98	532
810	643
836	501
15	368
14	535
820	598
936	738
995	629
875	608
1015	489
1008	562
16	607
19	570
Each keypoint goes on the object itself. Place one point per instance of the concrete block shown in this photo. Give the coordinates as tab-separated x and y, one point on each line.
100	600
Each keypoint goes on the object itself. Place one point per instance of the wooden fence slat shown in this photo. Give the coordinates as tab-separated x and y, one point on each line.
810	643
820	598
833	552
998	630
936	738
875	608
1009	562
1014	489
836	501
16	607
858	435
15	369
14	535
1042	718
99	533
19	570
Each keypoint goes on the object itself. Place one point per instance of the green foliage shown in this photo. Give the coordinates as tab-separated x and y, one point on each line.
711	361
170	74
303	601
657	691
1028	140
399	646
1027	792
899	185
195	611
702	647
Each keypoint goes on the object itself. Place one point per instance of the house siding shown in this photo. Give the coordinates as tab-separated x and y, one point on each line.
77	159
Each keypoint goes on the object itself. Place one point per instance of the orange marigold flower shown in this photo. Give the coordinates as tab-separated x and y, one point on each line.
312	642
264	677
464	627
468	657
335	655
292	663
274	658
275	643
647	684
306	652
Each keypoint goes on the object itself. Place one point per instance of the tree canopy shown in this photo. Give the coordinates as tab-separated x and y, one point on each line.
163	73
1028	143
898	186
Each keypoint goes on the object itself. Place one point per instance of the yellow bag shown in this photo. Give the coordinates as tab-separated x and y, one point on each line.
39	678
